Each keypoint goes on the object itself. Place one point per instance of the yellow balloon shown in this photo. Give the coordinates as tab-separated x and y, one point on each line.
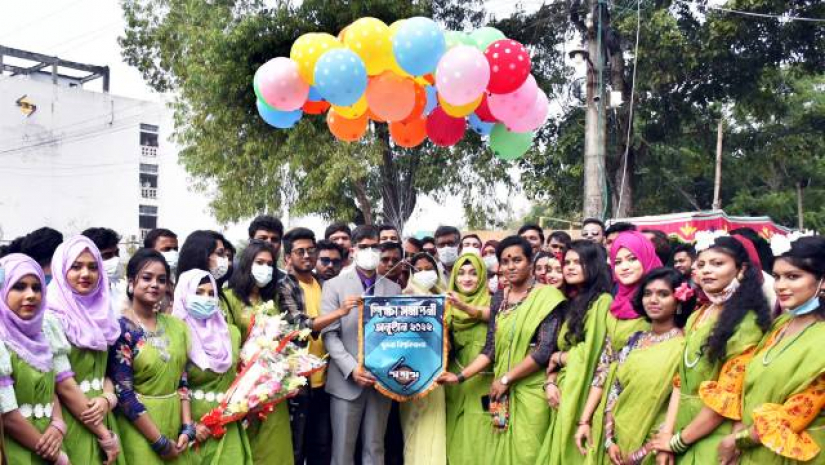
356	110
370	39
459	111
308	49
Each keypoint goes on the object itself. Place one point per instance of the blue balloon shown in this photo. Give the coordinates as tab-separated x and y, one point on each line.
479	126
340	77
432	100
277	118
314	95
418	45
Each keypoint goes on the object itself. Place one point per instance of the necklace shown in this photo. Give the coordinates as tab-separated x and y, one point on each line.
157	338
652	338
701	318
507	307
767	359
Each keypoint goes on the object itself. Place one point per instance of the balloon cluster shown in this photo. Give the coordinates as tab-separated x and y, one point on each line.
422	81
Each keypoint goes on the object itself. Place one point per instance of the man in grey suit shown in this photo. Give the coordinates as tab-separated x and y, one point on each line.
354	404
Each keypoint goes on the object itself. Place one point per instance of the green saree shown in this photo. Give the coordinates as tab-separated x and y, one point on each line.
81	445
695	368
529	413
618	333
156	384
792	366
574	382
468	424
646	378
233	447
31	388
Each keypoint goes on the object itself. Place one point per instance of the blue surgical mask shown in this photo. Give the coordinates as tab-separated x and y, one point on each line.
202	307
811	305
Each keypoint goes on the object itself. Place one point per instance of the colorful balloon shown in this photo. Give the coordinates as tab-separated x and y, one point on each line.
483	111
535	118
418	45
356	110
515	105
340	77
410	132
420	103
278	83
509	66
508	145
454	38
443	129
348	130
315	108
314	95
479	126
390	96
277	118
370	39
308	48
485	36
432	99
462	75
459	111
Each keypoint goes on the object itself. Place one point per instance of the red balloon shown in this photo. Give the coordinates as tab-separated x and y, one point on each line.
443	129
483	112
509	65
316	108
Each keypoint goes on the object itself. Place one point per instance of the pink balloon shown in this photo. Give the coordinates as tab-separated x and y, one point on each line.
462	75
280	85
535	118
517	105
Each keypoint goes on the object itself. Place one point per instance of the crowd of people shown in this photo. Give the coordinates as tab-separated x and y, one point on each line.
622	347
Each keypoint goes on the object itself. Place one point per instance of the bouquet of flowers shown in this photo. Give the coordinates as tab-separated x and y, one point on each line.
273	369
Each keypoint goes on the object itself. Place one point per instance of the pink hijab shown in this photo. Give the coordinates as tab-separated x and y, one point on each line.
211	347
24	337
645	252
88	320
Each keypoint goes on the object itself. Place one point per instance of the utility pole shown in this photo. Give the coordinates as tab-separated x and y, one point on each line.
717	181
595	137
800	186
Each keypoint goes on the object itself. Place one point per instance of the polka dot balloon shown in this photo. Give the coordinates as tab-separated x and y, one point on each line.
509	66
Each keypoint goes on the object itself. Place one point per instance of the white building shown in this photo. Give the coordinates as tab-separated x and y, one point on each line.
72	158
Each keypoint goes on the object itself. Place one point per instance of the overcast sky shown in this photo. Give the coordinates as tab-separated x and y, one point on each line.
87	30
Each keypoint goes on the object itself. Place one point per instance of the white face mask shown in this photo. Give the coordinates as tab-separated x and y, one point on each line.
427	279
491	261
448	255
171	257
472	250
492	284
112	268
221	268
367	259
262	274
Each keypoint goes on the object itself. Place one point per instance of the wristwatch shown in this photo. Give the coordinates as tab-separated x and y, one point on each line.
505	380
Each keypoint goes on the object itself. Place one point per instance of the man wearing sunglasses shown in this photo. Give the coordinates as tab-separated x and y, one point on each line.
390	265
330	260
593	230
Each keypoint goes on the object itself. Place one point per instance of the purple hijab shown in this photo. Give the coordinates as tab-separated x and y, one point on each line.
24	337
211	347
645	252
88	320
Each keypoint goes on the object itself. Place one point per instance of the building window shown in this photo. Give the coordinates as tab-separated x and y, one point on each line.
148	217
148	168
149	135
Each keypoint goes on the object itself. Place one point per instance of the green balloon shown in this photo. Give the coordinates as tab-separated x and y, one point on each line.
485	36
458	38
508	145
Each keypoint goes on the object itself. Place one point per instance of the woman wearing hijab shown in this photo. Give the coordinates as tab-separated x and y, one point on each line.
79	298
424	421
632	256
213	360
33	357
148	366
468	424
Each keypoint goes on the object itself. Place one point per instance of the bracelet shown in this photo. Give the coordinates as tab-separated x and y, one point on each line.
111	399
59	425
161	445
550	383
189	430
112	444
584	423
461	377
609	442
677	445
62	459
744	440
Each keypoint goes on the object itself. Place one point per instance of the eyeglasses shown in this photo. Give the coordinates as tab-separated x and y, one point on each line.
390	260
591	233
326	261
310	252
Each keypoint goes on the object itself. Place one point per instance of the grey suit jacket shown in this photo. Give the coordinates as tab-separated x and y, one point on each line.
341	337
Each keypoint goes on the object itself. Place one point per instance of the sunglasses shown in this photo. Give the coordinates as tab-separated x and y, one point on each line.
326	261
305	252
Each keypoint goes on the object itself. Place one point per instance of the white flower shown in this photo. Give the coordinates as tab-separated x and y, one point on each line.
781	244
705	239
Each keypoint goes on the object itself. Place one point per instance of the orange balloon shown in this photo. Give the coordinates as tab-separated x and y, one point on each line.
420	103
410	132
375	117
349	130
316	108
390	96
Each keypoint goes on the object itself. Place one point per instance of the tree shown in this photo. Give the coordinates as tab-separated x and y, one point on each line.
207	52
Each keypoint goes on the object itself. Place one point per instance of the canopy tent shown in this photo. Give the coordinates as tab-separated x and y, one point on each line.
685	225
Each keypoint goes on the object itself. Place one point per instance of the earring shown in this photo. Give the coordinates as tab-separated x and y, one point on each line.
130	289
